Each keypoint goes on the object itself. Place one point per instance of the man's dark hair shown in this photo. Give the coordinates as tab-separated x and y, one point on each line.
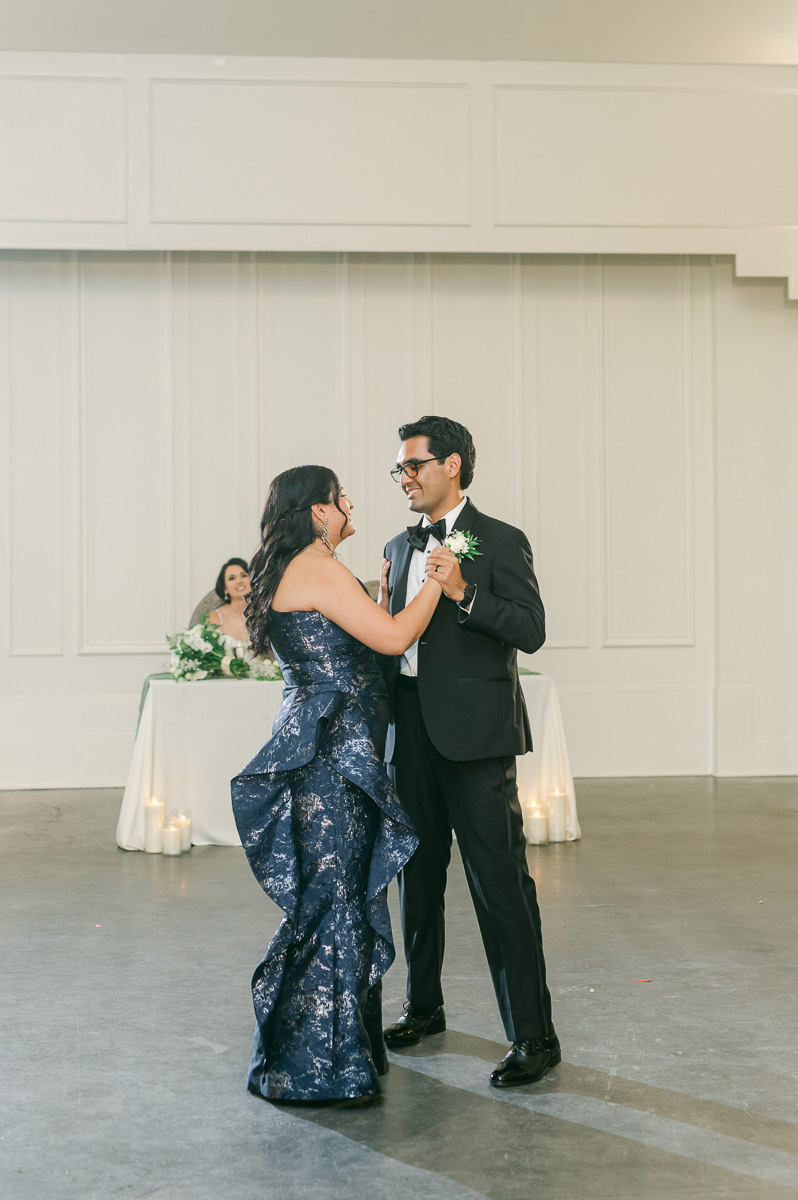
445	437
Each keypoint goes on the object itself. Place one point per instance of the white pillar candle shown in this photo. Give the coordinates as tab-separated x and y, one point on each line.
171	839
536	825
183	822
557	813
153	822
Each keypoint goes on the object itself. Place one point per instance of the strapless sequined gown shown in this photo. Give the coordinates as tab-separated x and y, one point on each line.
324	834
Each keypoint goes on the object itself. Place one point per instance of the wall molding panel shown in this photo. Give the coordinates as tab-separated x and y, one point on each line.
5	450
62	142
88	740
268	152
34	476
756	431
647	460
663	718
126	451
720	112
555	466
170	152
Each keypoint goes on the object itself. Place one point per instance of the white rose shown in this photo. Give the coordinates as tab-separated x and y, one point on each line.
457	543
198	642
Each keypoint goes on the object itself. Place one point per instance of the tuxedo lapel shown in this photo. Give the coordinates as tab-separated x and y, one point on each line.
467	517
401	565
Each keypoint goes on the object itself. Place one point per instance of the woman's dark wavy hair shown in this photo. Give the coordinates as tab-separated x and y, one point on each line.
220	588
445	437
286	528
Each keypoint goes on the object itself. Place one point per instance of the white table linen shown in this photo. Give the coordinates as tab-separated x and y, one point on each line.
194	737
548	767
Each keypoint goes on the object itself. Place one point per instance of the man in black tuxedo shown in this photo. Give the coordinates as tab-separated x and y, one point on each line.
459	720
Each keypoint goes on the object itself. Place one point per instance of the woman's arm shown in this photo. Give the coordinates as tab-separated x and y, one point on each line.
334	592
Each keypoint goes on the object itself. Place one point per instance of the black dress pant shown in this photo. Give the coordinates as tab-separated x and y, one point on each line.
479	800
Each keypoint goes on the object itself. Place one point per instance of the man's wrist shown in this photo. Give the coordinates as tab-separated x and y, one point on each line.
467	598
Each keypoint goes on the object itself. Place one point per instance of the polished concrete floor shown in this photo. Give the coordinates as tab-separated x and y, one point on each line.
126	1019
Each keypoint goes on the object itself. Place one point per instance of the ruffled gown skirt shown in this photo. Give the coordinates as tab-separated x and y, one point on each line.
324	834
319	1029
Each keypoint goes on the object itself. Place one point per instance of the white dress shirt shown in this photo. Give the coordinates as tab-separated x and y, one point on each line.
416	576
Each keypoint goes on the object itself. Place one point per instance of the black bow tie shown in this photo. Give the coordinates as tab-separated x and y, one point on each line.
419	535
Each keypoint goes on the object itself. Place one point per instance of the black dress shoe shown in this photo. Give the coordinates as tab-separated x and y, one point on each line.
526	1062
412	1026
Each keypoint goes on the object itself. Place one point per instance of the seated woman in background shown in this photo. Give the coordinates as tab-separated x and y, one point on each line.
232	588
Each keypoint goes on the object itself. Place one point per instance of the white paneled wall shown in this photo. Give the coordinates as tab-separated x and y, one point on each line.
166	152
757	577
636	416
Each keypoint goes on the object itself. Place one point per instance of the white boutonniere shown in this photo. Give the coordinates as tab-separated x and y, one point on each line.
462	544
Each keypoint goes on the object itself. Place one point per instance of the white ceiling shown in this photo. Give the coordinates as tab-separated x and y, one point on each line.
713	31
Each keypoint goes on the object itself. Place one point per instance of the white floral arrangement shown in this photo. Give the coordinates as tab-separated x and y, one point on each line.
263	668
462	544
203	652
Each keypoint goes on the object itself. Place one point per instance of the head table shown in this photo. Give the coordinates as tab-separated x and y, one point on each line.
194	737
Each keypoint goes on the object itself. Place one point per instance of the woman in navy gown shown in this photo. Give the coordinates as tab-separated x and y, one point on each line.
321	825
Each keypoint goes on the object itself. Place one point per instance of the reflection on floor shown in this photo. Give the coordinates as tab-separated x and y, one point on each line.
127	1019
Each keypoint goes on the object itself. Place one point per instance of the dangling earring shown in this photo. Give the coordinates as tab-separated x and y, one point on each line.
324	541
227	597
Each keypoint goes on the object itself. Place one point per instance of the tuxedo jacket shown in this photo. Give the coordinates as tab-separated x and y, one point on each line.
468	687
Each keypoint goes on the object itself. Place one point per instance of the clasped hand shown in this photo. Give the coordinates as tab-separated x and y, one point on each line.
447	575
444	566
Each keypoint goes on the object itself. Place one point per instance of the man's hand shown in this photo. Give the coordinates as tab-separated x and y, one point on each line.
382	595
445	567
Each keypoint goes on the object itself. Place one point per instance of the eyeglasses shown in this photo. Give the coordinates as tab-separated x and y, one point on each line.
410	468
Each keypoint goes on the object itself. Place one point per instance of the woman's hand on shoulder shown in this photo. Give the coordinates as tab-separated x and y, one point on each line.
383	598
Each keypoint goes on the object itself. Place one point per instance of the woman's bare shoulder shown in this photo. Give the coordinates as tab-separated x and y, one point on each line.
312	565
214	617
337	574
308	578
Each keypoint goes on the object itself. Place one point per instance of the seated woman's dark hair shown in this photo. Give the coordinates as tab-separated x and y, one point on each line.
286	528
445	437
220	589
